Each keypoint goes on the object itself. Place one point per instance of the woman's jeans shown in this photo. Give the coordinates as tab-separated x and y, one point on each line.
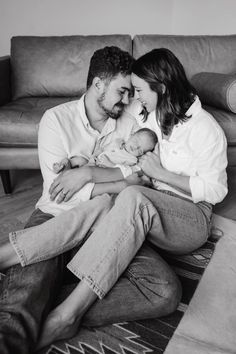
148	287
172	224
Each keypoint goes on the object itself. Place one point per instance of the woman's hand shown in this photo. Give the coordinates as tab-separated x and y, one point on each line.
150	164
136	179
68	183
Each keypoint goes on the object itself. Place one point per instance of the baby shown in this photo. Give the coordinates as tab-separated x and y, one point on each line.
119	153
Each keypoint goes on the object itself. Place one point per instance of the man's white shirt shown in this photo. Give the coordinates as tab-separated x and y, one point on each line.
65	131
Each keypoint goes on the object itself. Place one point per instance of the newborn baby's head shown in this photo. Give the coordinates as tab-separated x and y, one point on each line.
141	141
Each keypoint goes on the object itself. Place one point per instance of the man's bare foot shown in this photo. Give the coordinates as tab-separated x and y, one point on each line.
57	327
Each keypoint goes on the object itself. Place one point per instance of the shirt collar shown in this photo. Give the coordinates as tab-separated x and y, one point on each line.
83	112
109	127
192	112
195	108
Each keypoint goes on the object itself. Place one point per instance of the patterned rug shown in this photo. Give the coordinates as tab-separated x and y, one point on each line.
146	336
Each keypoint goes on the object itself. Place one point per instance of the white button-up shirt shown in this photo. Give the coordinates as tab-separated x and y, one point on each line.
65	131
195	148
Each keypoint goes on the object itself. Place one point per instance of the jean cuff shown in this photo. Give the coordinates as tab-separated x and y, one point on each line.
88	279
20	254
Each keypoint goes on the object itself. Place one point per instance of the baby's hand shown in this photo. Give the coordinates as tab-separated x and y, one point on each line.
62	166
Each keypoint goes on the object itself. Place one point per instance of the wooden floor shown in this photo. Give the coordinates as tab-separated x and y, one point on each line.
27	187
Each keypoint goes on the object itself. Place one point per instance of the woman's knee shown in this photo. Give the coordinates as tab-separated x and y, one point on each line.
129	195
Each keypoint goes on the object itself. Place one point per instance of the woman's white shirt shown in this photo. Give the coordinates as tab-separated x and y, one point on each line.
195	148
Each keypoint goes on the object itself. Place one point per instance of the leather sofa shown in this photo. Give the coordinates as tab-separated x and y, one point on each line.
42	72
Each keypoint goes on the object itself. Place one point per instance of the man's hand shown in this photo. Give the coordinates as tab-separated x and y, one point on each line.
68	183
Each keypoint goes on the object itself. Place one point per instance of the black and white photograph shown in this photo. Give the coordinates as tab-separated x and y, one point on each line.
118	177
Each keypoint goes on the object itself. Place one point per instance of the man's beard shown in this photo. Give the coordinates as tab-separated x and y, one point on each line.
110	112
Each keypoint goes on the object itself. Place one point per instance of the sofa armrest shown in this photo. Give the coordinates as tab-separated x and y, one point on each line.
217	90
5	81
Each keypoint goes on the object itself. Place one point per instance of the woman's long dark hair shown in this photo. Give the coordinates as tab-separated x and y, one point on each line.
161	69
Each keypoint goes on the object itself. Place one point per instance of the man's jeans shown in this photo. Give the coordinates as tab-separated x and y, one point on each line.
26	296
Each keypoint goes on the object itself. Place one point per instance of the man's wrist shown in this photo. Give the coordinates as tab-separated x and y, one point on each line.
123	184
88	172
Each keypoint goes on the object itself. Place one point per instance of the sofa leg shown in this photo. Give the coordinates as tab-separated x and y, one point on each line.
5	176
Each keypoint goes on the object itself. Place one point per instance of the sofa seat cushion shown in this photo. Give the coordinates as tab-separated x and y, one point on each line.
20	119
227	121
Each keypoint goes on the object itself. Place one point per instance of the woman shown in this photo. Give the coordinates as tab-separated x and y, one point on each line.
189	177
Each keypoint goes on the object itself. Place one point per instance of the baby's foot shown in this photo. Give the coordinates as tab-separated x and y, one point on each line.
57	327
62	165
57	167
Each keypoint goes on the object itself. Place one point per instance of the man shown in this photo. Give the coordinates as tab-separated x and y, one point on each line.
75	128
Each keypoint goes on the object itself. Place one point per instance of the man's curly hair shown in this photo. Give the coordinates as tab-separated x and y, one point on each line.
108	62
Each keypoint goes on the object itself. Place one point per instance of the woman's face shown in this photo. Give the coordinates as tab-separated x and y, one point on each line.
143	93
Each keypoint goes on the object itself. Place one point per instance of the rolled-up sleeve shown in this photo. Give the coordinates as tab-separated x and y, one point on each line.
210	182
125	170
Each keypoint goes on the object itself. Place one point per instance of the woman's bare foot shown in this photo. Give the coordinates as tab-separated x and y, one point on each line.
56	327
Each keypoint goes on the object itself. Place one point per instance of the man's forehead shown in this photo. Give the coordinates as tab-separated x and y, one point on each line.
122	81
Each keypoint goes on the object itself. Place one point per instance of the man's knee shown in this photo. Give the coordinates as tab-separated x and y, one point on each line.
163	296
156	281
173	294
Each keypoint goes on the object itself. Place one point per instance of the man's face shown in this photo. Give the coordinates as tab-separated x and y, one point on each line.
115	96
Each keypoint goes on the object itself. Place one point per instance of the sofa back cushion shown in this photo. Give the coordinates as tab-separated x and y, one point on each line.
56	66
196	53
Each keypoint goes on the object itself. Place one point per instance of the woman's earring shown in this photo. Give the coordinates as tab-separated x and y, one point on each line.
163	89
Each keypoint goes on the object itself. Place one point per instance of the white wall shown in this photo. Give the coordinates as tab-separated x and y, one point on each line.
62	17
204	17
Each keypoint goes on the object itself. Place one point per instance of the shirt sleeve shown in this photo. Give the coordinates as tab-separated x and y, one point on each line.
125	170
51	149
210	182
